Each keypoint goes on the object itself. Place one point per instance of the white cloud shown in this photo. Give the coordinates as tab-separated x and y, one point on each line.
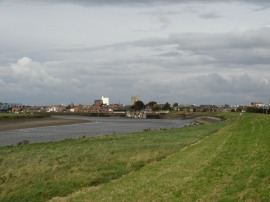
32	73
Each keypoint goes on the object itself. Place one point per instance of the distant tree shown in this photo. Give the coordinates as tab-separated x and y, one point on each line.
167	106
254	110
175	104
156	107
151	104
71	105
138	105
239	109
204	110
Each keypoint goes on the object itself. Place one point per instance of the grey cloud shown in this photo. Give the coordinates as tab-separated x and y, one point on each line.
250	47
198	41
257	38
232	89
196	68
170	54
248	39
181	54
134	2
261	8
30	81
120	79
210	15
205	89
159	12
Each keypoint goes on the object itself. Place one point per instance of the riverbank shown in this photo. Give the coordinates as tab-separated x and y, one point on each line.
230	164
206	120
14	124
40	172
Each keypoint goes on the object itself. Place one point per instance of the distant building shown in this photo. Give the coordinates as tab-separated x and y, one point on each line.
105	100
134	99
98	103
257	104
5	107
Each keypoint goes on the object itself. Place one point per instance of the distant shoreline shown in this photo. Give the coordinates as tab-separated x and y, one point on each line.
9	124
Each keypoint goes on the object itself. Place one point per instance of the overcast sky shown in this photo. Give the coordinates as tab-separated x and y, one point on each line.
191	52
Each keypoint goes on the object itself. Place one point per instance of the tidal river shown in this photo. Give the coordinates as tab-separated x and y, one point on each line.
96	126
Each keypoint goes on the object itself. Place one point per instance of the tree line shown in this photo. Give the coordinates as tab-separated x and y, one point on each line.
139	105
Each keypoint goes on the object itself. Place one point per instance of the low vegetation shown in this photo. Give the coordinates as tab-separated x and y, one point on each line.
8	116
223	161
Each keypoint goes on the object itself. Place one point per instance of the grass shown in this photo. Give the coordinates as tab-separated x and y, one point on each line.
230	165
39	172
224	161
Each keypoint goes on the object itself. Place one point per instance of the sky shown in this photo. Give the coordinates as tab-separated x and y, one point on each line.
176	51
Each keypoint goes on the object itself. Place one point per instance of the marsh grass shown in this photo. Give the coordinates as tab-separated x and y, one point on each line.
8	116
39	172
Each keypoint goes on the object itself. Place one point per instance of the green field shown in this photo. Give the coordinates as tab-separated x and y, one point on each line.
223	161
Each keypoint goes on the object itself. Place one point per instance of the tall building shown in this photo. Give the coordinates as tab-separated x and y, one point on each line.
134	99
105	100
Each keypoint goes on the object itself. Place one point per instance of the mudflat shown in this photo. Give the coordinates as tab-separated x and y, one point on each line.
13	124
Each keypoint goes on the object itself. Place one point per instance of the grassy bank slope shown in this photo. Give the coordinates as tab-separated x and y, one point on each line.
42	171
231	165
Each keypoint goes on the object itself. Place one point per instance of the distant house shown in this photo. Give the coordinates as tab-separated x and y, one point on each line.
186	107
257	104
94	109
56	108
6	107
16	109
30	109
72	110
78	109
98	103
117	109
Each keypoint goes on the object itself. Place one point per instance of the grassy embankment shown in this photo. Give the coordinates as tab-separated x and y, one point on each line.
229	162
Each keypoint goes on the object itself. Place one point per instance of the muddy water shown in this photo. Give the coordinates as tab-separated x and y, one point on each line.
96	126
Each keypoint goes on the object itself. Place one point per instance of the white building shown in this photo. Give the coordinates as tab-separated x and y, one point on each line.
105	100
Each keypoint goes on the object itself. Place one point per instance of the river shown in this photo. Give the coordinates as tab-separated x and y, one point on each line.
96	126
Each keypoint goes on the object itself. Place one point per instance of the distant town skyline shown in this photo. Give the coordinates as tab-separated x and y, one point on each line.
196	52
